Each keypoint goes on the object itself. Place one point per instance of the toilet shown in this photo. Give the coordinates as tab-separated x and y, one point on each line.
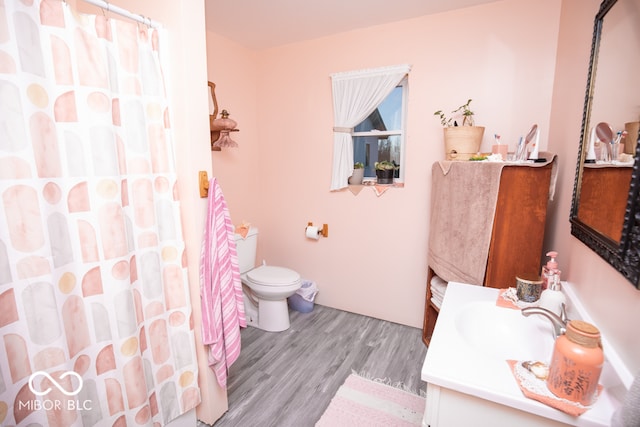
265	288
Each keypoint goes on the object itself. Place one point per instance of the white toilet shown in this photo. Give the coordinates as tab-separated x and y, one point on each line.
265	288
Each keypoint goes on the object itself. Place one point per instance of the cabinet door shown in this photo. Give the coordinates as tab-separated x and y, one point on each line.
519	225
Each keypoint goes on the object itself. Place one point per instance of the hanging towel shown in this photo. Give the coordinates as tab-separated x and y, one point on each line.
220	287
463	204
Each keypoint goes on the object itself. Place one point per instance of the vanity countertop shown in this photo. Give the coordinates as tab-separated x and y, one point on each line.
452	362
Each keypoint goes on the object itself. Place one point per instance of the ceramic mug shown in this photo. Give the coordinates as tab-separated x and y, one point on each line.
528	290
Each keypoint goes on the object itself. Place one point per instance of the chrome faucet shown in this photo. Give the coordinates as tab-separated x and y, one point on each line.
559	322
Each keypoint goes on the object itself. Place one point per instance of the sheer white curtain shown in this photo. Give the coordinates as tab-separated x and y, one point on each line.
356	94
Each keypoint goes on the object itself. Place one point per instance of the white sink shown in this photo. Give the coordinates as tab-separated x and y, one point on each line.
466	364
504	333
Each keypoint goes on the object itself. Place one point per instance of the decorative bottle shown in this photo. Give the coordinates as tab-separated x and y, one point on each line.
576	363
549	270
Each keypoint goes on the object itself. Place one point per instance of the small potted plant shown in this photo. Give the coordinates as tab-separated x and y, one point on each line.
385	171
461	142
358	174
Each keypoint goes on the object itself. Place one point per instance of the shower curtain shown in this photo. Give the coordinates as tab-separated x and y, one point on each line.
95	320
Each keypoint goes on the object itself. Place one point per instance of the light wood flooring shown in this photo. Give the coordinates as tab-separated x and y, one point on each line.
288	378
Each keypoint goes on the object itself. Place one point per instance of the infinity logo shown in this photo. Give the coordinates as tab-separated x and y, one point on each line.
55	383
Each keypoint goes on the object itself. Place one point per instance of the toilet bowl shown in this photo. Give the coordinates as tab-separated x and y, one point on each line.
265	288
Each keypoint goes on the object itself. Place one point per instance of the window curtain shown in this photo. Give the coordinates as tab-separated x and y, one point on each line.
95	319
356	94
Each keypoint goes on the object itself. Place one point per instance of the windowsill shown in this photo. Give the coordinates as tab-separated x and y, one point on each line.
379	189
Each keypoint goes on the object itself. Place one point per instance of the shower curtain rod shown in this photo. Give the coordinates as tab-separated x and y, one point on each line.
120	11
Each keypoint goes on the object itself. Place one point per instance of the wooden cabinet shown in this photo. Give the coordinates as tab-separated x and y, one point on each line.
603	198
517	234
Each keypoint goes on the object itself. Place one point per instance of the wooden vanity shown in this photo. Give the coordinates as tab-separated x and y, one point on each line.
517	233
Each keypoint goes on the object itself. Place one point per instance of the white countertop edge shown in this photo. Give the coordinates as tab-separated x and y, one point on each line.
515	401
609	350
518	401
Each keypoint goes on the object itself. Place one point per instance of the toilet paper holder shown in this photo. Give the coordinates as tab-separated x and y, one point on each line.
324	231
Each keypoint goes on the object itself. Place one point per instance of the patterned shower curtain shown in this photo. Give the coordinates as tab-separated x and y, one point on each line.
95	320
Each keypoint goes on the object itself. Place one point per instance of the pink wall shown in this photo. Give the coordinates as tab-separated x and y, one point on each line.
611	300
522	62
374	261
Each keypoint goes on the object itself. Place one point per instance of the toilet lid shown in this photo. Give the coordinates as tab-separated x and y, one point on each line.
270	275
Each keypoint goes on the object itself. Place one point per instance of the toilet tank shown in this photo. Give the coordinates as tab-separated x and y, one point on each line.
247	249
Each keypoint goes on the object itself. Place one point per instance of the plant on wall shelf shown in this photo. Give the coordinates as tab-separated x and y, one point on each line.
461	142
385	165
463	110
358	174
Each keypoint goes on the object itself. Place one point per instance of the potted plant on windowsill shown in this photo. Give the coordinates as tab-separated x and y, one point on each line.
358	174
460	142
385	171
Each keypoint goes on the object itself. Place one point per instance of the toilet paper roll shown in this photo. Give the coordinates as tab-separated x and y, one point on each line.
312	232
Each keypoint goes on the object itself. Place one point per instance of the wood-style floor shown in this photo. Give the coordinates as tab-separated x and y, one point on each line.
288	378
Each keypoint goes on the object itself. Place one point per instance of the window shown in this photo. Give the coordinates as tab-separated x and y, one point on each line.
381	135
355	95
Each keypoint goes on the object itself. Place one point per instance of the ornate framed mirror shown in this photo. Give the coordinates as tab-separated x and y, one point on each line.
605	209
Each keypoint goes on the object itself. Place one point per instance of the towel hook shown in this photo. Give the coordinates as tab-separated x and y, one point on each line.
203	180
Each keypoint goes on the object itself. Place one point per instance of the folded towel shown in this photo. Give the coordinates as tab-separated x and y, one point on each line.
437	292
437	300
438	284
438	289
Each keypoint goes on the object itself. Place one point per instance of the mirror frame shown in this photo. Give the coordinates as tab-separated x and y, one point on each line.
623	256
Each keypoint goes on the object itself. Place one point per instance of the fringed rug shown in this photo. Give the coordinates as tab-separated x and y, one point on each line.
367	403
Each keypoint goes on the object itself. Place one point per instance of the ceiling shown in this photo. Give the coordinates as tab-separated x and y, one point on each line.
262	24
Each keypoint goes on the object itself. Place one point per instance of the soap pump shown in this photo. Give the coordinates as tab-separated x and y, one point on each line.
549	270
552	297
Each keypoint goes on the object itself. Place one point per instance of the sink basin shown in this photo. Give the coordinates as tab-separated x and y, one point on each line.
465	364
504	333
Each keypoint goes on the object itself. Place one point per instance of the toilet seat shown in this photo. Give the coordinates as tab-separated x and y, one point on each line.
269	275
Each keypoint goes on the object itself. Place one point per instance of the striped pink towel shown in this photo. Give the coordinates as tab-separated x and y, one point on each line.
220	287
